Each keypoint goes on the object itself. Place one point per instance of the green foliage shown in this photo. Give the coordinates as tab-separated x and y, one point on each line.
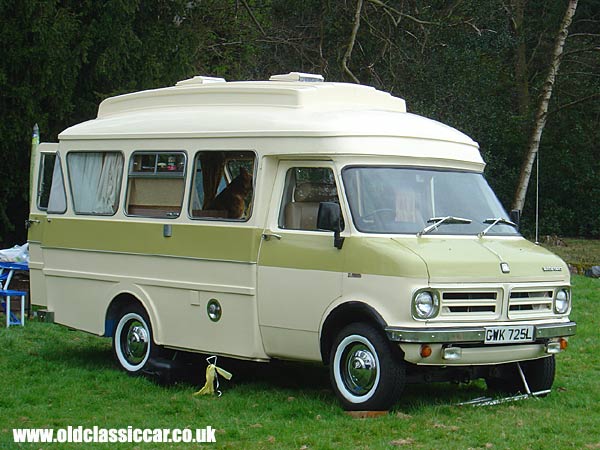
451	61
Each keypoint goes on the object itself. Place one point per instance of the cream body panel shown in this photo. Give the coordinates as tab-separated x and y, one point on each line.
291	344
174	291
291	304
389	296
37	285
295	298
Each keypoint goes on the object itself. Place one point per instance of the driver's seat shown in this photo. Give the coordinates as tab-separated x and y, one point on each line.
301	214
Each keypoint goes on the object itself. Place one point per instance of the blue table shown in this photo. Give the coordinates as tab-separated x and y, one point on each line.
7	270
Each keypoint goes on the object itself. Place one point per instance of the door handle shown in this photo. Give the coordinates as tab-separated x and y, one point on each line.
28	223
268	236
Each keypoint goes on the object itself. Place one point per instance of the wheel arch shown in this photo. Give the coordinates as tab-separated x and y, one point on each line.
123	298
342	315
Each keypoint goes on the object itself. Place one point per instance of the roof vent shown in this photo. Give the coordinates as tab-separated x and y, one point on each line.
298	76
200	80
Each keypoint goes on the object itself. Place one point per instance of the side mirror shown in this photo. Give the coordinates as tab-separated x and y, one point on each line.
515	216
329	218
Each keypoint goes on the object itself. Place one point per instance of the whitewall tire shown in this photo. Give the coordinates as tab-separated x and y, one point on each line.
133	341
366	371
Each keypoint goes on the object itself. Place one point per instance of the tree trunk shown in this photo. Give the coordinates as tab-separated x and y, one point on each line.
542	110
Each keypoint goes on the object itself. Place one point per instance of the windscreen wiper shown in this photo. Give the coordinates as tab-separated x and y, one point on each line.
437	221
495	221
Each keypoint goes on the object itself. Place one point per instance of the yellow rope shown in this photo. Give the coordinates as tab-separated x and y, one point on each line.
212	372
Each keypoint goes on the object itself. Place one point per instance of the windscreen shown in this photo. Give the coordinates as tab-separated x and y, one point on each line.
407	200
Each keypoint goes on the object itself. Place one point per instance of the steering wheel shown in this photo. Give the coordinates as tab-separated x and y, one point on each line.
381	216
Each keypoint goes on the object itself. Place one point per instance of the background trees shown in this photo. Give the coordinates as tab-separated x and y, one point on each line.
476	65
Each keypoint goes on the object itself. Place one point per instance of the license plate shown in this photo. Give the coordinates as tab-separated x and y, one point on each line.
508	334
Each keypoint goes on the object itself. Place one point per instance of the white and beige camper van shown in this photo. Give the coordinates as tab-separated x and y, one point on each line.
293	219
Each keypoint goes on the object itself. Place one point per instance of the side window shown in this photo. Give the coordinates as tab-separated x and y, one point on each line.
222	185
57	200
95	179
45	179
156	183
305	188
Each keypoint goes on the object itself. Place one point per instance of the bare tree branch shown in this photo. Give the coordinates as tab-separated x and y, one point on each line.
401	14
253	17
584	35
575	102
352	41
583	50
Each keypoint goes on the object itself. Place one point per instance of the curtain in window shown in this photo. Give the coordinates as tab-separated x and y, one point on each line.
57	202
213	165
95	181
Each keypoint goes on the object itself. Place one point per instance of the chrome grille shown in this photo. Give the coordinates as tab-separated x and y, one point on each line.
530	304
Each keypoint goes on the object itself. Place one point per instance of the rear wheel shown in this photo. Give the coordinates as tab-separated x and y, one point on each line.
539	374
133	343
366	371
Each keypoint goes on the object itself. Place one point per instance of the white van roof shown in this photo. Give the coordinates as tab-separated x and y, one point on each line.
281	107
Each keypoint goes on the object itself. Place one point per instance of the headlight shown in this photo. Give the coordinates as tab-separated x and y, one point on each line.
425	305
562	301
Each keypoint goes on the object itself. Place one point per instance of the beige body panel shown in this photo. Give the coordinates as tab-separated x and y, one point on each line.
174	291
37	285
291	304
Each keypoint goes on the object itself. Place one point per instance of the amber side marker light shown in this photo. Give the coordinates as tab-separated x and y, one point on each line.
425	351
563	343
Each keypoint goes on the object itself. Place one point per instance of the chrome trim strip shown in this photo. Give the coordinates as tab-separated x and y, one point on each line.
555	330
471	334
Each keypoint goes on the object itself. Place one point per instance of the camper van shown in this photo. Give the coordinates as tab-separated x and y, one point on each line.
293	219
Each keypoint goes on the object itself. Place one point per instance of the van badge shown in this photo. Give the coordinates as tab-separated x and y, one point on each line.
552	269
504	267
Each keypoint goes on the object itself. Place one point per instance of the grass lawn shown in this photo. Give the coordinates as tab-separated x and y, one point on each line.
580	253
52	377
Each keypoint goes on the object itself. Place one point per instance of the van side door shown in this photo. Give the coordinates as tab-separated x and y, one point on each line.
299	269
43	174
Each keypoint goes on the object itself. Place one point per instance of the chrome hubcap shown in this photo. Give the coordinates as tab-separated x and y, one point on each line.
359	369
136	342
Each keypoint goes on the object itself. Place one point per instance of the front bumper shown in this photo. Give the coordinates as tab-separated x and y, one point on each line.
464	346
456	335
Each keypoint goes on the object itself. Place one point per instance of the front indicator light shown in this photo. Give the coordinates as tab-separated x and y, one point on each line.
563	343
556	346
425	351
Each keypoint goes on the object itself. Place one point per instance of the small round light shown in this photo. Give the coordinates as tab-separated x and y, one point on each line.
425	351
425	305
561	301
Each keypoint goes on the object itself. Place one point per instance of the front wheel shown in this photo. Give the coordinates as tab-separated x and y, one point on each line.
133	341
539	374
366	371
